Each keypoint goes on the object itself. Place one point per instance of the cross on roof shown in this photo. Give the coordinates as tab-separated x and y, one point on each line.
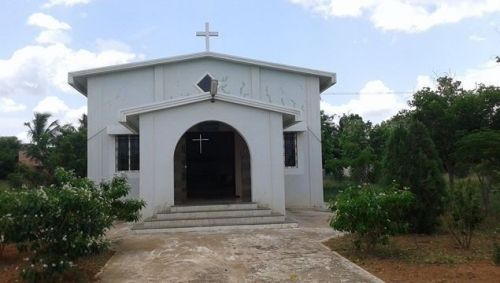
207	34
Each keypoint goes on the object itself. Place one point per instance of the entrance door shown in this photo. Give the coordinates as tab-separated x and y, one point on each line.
210	165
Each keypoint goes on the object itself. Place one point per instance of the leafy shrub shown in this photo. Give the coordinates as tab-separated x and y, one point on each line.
9	149
25	176
331	187
371	213
464	212
64	221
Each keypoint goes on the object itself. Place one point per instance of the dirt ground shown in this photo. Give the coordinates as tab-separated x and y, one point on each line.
425	258
260	255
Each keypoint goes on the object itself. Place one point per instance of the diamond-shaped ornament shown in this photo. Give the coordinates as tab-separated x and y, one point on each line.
205	83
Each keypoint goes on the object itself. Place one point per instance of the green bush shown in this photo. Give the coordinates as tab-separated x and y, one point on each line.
331	188
25	176
370	213
464	212
62	222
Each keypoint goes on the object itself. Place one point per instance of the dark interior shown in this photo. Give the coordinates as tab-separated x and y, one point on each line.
210	168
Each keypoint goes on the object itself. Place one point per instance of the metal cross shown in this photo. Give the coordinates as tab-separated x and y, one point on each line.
201	140
207	34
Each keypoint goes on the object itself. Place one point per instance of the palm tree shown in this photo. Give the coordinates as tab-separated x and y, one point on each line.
83	122
41	134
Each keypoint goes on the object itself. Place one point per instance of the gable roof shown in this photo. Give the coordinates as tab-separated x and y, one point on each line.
129	117
78	79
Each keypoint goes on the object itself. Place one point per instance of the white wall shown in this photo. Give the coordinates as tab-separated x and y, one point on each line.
108	94
161	130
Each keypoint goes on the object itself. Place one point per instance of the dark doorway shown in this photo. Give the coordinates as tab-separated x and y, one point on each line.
210	167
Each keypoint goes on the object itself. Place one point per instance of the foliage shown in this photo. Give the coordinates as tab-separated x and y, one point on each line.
329	146
480	151
122	209
69	150
25	176
9	150
332	187
412	161
41	133
379	135
356	152
450	112
53	146
62	222
464	212
370	213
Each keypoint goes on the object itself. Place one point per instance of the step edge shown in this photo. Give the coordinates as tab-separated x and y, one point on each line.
201	211
222	217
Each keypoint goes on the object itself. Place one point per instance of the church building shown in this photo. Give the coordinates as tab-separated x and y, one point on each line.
207	129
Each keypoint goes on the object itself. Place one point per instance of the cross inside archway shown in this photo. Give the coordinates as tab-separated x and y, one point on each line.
200	140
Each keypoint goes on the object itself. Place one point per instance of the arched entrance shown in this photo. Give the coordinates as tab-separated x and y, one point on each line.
211	164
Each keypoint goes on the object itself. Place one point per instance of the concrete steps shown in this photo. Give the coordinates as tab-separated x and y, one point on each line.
213	217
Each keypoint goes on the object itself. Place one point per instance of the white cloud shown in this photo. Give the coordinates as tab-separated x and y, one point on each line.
45	21
53	30
60	110
52	3
487	73
42	68
8	105
476	37
37	69
52	105
23	137
403	15
53	37
424	81
376	102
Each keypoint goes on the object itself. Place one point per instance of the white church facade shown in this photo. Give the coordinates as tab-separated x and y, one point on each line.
207	128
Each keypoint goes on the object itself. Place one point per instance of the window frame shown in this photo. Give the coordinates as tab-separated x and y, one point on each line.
295	149
129	139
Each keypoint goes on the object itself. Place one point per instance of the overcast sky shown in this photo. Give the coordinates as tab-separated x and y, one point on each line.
381	50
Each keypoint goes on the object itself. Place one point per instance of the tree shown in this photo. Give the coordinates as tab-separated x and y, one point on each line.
433	109
9	150
69	148
481	152
327	141
412	161
41	133
356	152
330	146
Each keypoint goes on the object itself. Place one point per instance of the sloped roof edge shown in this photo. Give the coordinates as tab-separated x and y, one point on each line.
78	79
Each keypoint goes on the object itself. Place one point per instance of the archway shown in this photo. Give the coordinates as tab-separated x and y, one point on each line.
211	164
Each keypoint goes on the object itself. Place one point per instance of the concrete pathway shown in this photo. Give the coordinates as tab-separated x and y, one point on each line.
260	255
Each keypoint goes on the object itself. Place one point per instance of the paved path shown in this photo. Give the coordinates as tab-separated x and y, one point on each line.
264	255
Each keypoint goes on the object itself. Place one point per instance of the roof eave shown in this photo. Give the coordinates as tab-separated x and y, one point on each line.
76	83
78	79
327	82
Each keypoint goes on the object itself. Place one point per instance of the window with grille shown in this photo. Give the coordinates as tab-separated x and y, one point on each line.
290	139
127	152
